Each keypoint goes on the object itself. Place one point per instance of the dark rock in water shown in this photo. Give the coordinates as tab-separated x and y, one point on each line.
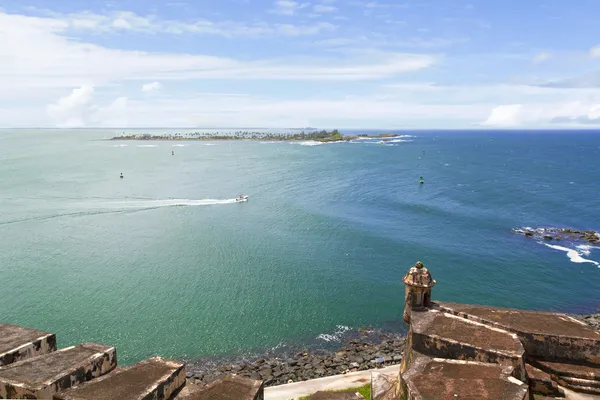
589	236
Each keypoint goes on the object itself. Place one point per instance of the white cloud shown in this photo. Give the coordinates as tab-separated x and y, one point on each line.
540	57
595	52
72	110
149	87
287	7
504	116
574	114
120	21
78	110
115	114
320	8
40	54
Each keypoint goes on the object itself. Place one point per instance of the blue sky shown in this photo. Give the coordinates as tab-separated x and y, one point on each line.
287	63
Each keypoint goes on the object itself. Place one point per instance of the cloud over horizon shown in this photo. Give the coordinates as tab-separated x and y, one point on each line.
287	63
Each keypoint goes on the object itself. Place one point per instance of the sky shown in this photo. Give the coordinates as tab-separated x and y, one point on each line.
384	64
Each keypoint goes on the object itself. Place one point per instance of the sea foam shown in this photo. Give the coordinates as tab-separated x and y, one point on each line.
573	254
336	336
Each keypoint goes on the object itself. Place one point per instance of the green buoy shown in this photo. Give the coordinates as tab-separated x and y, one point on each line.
421	180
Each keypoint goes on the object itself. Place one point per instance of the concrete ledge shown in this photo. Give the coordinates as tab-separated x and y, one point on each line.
232	387
18	343
383	386
154	378
336	396
336	382
45	375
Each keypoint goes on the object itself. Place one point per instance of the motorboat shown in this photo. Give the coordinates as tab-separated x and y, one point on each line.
241	197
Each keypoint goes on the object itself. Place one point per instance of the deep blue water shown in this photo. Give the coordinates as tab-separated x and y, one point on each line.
164	262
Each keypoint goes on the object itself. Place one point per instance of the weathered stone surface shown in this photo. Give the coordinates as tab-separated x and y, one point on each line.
18	343
45	375
540	382
229	388
438	334
383	386
335	396
154	378
436	378
544	335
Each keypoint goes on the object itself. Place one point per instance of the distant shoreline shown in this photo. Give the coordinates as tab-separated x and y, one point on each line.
321	136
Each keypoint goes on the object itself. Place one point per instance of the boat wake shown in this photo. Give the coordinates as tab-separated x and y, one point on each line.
141	204
93	208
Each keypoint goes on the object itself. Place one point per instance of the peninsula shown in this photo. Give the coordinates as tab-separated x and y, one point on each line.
320	136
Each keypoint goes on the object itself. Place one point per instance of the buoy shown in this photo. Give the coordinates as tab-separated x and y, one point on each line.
121	175
421	180
172	153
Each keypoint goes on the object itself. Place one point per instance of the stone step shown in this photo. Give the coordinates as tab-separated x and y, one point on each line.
232	387
18	343
154	378
44	375
540	382
580	382
580	388
558	369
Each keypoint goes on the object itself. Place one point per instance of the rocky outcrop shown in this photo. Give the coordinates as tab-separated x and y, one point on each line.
590	236
356	355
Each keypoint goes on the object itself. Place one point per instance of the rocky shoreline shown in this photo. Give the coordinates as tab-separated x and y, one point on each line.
355	355
592	320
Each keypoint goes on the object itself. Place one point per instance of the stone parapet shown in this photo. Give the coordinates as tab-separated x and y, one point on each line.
154	378
442	335
437	378
18	343
547	336
43	376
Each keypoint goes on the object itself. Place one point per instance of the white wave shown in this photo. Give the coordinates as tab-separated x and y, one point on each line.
180	145
585	249
309	143
573	255
269	142
399	141
119	145
446	165
210	144
336	336
147	145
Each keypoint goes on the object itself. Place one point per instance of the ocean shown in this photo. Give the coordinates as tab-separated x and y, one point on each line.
165	262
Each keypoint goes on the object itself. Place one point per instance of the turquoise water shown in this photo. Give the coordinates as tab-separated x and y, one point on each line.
163	262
